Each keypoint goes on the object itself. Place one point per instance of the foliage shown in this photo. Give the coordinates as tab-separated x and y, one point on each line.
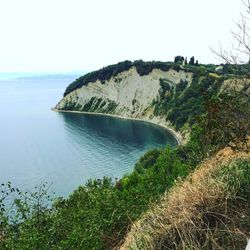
178	59
182	103
235	69
98	214
144	68
24	218
95	216
104	74
191	61
147	160
226	121
208	210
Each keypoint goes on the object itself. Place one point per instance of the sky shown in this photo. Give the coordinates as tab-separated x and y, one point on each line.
85	35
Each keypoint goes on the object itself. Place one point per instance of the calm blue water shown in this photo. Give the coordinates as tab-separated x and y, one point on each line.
64	149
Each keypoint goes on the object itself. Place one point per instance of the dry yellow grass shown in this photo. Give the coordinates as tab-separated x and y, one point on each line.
198	213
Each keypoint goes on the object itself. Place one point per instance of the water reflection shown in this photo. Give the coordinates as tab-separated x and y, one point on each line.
65	149
138	133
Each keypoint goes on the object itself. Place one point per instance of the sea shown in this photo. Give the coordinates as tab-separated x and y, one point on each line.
64	150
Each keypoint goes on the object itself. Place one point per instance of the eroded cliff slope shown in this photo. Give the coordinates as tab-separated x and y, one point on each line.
167	94
128	94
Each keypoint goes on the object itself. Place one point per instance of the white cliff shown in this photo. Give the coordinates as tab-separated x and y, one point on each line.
127	95
131	93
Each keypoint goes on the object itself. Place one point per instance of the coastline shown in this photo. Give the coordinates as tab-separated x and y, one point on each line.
176	135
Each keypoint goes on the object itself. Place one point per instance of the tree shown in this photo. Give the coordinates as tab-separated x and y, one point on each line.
178	59
191	61
185	61
226	122
229	115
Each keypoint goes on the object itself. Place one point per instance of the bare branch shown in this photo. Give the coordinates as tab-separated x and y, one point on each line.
242	37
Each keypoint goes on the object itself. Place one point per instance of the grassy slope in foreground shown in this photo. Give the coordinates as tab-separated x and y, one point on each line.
209	210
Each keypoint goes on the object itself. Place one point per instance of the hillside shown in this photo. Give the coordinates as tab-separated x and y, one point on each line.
168	94
210	209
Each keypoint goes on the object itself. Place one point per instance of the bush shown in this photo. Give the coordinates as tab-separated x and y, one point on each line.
227	121
95	216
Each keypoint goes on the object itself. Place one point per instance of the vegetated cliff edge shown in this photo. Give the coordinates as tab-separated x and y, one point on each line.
166	94
207	210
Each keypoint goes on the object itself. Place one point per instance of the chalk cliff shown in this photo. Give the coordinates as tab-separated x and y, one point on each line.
127	94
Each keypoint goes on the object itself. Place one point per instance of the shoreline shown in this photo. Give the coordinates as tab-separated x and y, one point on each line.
176	135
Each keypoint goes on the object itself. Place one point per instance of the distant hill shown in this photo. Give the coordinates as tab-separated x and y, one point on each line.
22	75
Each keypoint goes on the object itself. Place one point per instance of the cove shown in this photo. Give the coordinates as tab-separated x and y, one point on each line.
65	149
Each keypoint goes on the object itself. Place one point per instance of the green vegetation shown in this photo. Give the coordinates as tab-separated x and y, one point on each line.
93	105
209	210
183	103
99	214
95	216
144	68
104	74
180	103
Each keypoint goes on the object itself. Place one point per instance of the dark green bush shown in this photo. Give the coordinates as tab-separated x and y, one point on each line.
97	215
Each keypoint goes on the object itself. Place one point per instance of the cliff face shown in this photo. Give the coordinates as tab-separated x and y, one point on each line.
127	94
166	94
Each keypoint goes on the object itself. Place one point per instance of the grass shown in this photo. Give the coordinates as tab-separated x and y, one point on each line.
209	210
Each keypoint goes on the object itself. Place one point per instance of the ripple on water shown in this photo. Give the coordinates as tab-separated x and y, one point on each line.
65	149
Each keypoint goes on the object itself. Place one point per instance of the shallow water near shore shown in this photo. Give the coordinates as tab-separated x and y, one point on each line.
65	149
